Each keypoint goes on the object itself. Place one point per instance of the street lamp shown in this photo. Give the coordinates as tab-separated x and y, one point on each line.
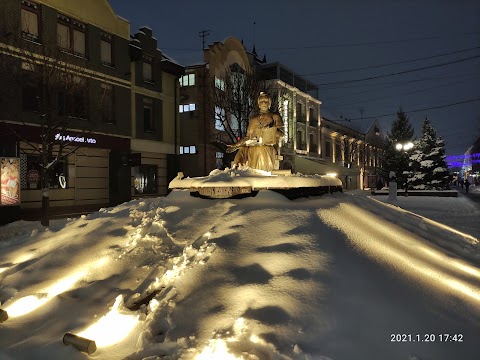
404	147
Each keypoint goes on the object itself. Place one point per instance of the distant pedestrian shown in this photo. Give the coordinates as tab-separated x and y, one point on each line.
467	185
461	183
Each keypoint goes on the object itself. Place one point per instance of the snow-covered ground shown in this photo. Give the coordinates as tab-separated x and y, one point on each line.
340	276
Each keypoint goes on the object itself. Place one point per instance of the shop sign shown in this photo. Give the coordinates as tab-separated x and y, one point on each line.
76	139
10	181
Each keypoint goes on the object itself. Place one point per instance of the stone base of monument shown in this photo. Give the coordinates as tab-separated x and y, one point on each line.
244	182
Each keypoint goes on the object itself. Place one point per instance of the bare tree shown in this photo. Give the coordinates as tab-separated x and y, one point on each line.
233	97
54	94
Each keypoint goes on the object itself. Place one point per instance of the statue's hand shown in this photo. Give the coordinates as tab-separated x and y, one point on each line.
231	148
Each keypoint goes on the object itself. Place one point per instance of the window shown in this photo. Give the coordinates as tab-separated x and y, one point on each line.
72	97
58	174
107	101
192	149
338	152
106	49
187	80
312	118
147	69
148	115
186	108
219	84
300	115
71	36
219	118
31	88
145	179
328	148
234	124
30	21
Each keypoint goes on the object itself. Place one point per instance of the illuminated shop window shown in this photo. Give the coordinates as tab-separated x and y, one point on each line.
57	179
145	179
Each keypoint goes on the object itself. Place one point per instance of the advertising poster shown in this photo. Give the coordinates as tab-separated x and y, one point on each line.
10	179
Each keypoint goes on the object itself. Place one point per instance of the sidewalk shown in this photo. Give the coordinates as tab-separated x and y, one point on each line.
59	212
460	213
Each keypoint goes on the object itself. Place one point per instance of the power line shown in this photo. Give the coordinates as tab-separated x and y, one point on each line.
394	84
413	111
475	33
388	97
370	43
398	82
402	72
393	63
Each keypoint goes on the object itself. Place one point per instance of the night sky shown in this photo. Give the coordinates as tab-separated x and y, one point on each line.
434	44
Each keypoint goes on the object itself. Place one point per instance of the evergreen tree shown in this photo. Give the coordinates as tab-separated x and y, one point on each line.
394	160
428	169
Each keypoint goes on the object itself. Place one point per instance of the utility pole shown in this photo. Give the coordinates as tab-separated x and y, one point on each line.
362	111
203	34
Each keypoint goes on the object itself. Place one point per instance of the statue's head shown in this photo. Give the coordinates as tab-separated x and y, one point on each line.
264	101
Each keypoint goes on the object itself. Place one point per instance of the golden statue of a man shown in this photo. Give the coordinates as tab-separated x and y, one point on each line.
258	149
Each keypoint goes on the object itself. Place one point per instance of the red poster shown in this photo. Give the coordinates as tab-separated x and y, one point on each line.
10	180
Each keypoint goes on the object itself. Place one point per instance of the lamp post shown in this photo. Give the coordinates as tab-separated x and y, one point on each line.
405	147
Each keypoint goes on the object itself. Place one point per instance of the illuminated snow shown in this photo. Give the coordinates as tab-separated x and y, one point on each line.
112	328
257	278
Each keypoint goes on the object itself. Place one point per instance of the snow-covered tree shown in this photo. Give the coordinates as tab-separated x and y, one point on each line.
394	160
428	169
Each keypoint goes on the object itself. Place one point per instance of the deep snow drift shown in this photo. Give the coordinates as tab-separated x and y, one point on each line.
331	277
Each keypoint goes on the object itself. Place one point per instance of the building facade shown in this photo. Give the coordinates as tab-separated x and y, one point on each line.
311	144
72	73
198	114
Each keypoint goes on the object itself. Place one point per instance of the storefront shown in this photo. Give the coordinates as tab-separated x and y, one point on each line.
95	170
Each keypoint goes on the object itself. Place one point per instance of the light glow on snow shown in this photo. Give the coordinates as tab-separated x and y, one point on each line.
22	258
30	303
216	350
112	328
400	249
25	305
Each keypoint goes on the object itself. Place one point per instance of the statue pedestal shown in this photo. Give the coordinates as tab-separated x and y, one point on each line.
392	190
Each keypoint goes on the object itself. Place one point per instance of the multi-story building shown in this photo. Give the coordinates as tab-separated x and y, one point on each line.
198	124
299	109
312	144
154	116
115	116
